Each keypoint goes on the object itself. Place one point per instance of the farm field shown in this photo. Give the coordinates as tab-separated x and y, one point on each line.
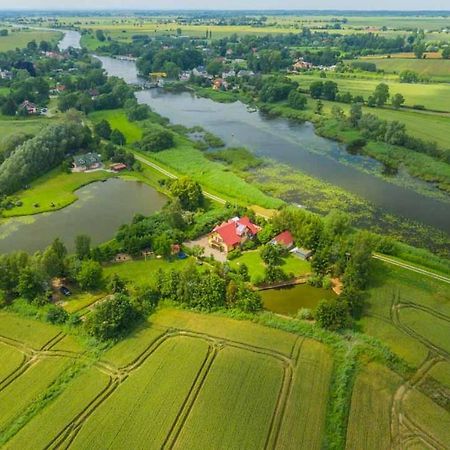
10	125
238	373
432	96
53	191
20	39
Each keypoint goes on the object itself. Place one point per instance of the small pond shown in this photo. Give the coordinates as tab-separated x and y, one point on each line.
101	208
288	300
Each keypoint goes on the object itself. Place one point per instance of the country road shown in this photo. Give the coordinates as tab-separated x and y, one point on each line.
383	258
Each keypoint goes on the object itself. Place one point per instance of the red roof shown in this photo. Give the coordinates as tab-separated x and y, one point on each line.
119	166
285	238
231	231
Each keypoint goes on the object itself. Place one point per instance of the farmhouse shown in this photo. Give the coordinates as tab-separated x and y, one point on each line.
30	108
230	235
89	161
118	167
284	239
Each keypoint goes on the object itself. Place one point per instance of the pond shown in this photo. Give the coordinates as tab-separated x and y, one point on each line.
101	209
290	143
288	300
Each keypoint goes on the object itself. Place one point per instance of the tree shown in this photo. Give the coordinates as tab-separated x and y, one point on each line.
446	52
31	284
157	139
162	245
103	129
355	114
9	107
381	94
419	49
297	100
333	315
111	318
83	246
90	275
56	315
100	35
117	137
272	255
188	192
329	90
243	272
117	285
319	107
409	76
397	100
315	89
214	67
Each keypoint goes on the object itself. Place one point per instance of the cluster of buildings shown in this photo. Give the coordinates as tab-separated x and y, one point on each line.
232	234
301	65
93	161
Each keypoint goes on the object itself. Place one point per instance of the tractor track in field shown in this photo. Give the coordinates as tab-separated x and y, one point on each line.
191	397
403	428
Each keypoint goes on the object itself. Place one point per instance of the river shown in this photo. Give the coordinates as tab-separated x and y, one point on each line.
101	208
290	143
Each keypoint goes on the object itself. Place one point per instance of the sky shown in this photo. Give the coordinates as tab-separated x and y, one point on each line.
229	4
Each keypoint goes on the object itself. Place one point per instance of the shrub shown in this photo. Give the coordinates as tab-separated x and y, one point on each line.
56	315
156	140
333	315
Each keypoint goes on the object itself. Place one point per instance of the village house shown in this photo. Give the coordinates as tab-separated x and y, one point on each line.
232	234
285	239
118	167
185	75
228	74
219	84
245	73
5	75
30	108
89	161
301	64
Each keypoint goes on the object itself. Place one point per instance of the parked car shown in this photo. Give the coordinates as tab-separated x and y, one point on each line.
65	291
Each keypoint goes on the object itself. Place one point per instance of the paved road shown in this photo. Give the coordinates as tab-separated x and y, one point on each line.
406	266
383	258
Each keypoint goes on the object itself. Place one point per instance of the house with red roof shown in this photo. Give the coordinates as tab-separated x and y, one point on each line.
285	239
232	234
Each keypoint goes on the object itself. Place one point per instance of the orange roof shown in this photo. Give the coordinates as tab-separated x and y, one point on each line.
285	238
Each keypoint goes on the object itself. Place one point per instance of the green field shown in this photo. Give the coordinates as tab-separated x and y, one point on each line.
438	69
9	126
20	39
118	119
53	191
432	96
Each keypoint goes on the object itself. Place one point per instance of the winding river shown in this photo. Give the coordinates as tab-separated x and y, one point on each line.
290	143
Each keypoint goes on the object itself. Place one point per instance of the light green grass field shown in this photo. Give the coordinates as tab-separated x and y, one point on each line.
9	125
256	265
432	96
118	119
80	300
57	188
20	39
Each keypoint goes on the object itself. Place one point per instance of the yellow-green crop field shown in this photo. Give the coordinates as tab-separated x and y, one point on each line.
19	39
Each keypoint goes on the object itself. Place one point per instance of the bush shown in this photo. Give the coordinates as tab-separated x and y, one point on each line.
90	275
304	314
56	315
333	315
156	140
111	319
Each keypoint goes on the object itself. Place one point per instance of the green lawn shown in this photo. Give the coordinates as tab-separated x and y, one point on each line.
142	271
12	125
55	188
255	265
432	96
